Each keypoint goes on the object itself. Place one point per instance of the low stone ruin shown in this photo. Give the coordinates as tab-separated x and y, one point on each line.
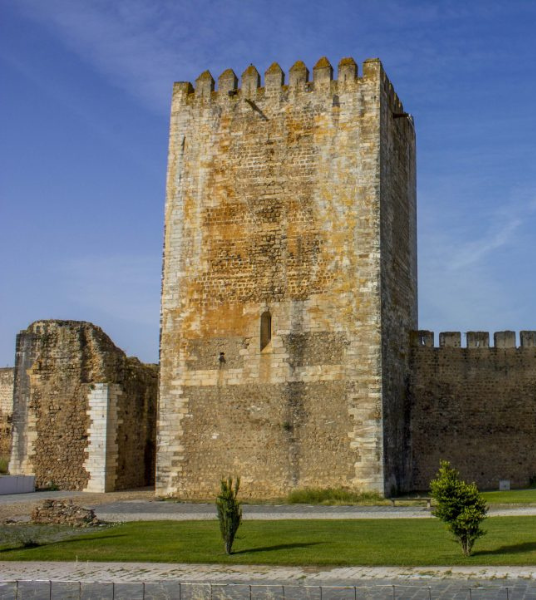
84	413
58	512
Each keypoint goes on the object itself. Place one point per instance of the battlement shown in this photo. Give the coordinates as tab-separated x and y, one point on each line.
474	339
229	90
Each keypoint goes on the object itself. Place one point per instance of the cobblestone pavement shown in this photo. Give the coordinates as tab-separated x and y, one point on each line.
151	581
98	571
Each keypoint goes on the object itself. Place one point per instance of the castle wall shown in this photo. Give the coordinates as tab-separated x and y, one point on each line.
474	406
58	424
273	208
398	218
6	409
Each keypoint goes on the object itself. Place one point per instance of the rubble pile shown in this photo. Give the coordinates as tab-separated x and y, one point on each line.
59	512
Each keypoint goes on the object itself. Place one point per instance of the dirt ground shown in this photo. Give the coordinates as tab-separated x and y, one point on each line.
11	510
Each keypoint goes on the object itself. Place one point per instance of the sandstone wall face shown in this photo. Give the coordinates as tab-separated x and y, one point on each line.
6	409
57	430
475	407
398	247
271	354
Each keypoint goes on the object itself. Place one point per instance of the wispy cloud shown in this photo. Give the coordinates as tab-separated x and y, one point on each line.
128	41
467	274
500	232
142	45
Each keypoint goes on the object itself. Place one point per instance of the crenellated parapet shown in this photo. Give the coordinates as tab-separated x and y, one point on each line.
473	339
250	85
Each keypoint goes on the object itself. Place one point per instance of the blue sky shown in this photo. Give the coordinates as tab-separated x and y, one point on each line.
85	97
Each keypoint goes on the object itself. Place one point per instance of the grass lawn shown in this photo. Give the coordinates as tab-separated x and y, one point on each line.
527	496
510	541
511	497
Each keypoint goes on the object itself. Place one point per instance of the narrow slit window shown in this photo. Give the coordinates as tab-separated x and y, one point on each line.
266	329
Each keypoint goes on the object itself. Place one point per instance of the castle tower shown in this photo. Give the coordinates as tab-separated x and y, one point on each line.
289	283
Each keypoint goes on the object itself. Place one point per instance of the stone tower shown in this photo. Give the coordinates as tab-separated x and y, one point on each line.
289	283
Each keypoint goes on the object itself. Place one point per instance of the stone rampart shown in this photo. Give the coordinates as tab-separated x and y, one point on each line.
474	406
84	413
6	409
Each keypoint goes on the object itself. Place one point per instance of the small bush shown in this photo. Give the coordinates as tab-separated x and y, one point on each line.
4	463
333	496
23	536
31	535
229	511
459	505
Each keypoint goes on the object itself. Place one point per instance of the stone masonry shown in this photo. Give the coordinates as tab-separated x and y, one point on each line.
289	352
84	413
6	409
289	283
474	406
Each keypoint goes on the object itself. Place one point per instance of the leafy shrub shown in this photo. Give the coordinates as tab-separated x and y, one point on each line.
459	505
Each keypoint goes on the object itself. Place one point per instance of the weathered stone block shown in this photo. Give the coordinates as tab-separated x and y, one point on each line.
504	339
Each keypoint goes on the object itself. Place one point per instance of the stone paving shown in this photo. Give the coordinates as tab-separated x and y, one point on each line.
97	571
36	497
131	581
154	511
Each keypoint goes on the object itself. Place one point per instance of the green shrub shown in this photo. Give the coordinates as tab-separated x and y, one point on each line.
23	535
229	511
459	505
332	496
4	463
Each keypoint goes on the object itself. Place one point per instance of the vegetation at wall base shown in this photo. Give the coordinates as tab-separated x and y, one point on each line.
397	542
459	505
342	496
334	497
4	464
229	511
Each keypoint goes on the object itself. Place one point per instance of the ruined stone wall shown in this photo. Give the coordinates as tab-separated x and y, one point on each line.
474	406
271	327
398	218
136	432
6	409
59	430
